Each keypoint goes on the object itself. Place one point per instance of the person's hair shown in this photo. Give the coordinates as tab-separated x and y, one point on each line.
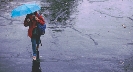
27	16
35	12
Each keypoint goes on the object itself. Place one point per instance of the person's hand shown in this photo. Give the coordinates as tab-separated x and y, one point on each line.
28	20
36	18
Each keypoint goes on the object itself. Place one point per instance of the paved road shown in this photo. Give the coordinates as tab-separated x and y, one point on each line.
97	38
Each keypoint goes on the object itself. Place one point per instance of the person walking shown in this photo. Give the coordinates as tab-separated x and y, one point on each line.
32	20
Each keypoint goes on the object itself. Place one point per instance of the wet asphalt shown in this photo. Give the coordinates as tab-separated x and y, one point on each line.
96	36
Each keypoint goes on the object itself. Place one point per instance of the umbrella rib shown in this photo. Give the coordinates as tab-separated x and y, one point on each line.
29	9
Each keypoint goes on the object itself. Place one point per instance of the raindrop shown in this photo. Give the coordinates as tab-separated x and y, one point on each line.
82	56
6	35
124	26
122	62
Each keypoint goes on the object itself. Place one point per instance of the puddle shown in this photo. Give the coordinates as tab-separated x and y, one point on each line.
57	30
59	11
2	25
129	43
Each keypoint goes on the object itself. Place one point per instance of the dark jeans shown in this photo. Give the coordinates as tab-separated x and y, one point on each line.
35	41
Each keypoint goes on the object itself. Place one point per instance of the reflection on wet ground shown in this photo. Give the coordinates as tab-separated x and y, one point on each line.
36	64
59	11
128	64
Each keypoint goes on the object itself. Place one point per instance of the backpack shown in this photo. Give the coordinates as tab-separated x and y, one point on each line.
41	28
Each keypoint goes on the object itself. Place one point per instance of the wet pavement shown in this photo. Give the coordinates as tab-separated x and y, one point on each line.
81	36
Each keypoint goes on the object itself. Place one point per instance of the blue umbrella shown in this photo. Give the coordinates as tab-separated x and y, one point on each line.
25	9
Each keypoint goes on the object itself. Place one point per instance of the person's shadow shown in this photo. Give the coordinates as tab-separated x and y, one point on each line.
36	64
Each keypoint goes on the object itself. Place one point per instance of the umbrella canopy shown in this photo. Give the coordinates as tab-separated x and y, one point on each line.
25	9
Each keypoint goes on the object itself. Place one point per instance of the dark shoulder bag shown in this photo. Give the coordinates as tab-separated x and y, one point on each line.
35	31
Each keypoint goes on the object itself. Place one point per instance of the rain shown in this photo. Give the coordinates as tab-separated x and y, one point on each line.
81	36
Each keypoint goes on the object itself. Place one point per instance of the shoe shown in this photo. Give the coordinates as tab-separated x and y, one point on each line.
34	57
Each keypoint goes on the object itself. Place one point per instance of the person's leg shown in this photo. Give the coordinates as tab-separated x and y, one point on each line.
38	41
33	40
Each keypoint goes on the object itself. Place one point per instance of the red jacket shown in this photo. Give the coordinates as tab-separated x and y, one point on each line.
32	23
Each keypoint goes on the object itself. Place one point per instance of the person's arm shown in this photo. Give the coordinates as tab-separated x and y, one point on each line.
26	21
40	19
